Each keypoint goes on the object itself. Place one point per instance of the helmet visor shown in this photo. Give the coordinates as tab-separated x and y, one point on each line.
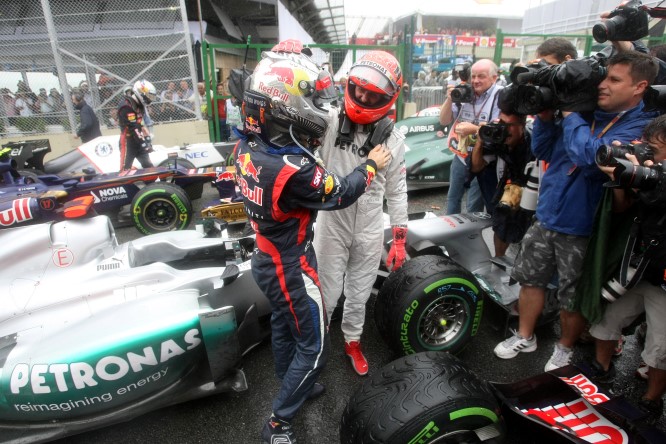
373	80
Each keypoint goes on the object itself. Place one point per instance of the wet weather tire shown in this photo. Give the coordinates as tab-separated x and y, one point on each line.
429	304
429	397
160	207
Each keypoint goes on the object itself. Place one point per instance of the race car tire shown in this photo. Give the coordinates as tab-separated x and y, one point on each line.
429	304
160	207
423	398
169	163
30	176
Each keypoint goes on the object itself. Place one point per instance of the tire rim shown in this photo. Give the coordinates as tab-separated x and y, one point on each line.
443	321
161	214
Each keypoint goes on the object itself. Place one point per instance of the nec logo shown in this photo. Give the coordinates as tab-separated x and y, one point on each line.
196	155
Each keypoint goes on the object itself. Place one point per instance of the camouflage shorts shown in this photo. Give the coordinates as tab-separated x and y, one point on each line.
544	254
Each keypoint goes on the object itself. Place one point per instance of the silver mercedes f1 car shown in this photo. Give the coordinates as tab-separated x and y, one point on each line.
93	332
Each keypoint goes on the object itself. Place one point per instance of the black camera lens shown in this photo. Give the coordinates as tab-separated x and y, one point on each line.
462	93
533	99
602	31
606	154
628	175
494	133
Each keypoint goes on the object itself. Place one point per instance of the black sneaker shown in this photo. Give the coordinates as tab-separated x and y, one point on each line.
600	375
278	431
653	409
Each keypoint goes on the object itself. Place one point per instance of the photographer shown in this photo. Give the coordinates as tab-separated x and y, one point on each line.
647	294
503	147
569	193
476	103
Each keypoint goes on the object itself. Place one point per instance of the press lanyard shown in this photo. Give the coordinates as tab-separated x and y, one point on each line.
612	122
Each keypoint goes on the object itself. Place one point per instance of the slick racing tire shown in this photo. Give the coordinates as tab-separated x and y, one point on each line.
429	304
184	163
429	397
160	207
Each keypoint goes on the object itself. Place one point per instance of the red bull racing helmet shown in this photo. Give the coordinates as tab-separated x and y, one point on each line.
288	92
144	91
378	72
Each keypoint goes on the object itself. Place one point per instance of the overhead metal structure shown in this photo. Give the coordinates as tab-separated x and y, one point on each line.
234	20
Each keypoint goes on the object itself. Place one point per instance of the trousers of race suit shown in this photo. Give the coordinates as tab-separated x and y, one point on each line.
130	150
349	244
299	327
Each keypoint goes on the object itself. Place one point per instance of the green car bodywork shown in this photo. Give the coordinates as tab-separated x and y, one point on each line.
427	157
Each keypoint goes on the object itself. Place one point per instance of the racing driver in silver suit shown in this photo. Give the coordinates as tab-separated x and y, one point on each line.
349	242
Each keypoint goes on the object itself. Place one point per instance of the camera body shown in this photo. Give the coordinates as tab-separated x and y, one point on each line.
607	155
463	92
629	21
494	133
570	86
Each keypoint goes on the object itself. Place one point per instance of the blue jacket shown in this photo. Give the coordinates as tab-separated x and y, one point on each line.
572	185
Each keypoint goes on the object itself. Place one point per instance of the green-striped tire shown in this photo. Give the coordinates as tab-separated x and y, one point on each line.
429	304
428	397
160	207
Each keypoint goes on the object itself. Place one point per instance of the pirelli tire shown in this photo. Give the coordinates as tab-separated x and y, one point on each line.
429	304
428	397
160	207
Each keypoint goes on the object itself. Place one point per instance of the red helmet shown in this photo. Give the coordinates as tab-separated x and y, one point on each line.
378	72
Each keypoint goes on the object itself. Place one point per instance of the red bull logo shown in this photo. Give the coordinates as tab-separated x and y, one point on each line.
226	176
247	168
284	75
19	212
252	124
272	91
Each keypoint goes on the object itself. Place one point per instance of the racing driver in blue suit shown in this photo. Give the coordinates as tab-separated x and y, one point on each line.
283	185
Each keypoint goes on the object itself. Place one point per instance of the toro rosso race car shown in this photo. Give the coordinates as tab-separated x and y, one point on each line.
432	397
159	198
93	332
102	155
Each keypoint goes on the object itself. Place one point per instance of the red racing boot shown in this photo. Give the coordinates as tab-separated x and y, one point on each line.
360	364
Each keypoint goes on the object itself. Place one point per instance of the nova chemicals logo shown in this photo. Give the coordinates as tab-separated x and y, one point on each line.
103	149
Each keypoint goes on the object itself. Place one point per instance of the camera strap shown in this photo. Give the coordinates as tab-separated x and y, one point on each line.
626	257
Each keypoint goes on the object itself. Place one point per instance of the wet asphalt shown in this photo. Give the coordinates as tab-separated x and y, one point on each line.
239	417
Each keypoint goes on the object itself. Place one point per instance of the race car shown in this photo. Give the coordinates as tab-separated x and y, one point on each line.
427	157
102	155
93	333
159	198
433	397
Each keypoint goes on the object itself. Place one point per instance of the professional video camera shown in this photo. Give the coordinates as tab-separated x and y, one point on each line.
463	92
570	86
654	98
607	154
629	21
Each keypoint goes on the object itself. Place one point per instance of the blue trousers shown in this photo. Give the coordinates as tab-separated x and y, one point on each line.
457	180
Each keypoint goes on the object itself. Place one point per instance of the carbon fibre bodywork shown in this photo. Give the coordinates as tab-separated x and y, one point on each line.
93	332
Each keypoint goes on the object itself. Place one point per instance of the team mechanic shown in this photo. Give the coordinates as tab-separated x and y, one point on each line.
349	242
286	106
135	142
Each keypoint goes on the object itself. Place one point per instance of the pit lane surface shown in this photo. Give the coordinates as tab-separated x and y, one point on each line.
238	417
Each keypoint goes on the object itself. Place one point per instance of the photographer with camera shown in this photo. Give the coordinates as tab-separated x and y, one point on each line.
639	284
465	108
569	193
503	147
